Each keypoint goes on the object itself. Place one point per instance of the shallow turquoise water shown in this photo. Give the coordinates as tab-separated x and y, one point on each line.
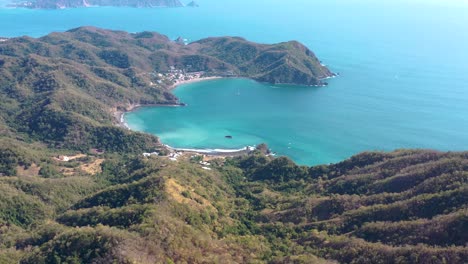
403	83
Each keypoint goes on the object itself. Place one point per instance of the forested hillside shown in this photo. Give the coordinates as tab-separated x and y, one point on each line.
65	88
75	187
400	207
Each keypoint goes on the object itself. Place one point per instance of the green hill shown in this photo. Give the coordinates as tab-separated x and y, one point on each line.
75	188
247	209
64	88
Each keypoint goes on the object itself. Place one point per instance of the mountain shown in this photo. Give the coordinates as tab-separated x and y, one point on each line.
76	188
283	63
59	4
64	88
406	206
289	62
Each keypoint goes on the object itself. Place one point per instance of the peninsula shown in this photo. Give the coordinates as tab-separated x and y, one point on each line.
84	75
61	4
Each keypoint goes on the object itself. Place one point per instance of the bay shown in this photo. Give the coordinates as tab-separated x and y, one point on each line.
403	66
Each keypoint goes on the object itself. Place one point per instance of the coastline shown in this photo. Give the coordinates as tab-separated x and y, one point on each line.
177	83
214	152
120	115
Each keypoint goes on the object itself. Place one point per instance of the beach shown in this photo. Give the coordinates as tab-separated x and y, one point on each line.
120	117
214	152
177	83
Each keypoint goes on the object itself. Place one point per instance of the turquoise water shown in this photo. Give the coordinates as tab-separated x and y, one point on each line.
403	66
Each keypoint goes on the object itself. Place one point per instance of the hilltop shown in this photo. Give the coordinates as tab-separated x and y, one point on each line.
60	4
288	62
64	88
76	188
401	207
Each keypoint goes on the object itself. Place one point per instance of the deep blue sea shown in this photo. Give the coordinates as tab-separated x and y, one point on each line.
403	74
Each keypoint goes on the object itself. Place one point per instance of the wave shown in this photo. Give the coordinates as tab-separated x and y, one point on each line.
212	151
122	121
335	75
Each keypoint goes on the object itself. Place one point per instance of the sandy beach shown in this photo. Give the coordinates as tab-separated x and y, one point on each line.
214	152
177	83
120	118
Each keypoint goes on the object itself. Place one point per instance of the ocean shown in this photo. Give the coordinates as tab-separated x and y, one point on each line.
403	74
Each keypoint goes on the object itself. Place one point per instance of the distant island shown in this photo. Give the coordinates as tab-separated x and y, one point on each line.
193	4
61	4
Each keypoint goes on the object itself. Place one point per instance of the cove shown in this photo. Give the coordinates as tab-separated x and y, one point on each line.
311	125
402	65
290	119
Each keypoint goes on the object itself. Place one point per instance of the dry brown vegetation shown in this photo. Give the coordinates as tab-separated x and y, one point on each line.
407	206
31	171
92	168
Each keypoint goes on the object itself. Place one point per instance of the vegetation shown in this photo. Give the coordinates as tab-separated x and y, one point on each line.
248	209
75	188
65	89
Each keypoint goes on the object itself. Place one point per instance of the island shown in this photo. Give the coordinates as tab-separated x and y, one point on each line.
61	4
193	4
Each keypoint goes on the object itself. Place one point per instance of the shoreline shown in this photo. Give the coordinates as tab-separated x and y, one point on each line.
214	152
120	115
177	83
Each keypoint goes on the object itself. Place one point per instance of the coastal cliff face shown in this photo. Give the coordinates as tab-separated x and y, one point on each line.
58	4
